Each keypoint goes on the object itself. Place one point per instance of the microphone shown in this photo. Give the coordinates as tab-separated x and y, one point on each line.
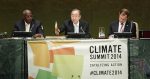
82	29
31	28
42	27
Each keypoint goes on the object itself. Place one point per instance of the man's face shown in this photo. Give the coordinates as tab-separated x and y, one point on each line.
75	16
123	17
28	17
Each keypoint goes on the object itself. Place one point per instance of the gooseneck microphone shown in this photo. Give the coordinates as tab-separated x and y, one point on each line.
82	29
31	28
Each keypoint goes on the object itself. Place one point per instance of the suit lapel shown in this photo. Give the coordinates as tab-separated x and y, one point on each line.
126	26
23	26
117	26
32	25
71	26
80	26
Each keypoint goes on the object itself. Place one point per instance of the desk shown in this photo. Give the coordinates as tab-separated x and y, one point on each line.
12	54
13	60
139	59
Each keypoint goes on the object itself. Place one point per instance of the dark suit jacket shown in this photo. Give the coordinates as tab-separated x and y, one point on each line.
114	28
35	27
68	27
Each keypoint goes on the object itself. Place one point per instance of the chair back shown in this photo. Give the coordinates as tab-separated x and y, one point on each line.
137	29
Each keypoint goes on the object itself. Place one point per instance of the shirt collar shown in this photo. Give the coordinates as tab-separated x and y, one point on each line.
123	23
76	24
26	23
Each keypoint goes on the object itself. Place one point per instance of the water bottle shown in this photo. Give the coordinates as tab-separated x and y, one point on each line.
101	33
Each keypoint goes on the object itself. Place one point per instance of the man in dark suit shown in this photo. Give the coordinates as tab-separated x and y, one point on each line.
28	24
123	24
74	25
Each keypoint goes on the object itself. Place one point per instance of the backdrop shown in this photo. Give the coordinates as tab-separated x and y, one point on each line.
99	13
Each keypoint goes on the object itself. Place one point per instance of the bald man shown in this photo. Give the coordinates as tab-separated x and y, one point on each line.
74	25
28	24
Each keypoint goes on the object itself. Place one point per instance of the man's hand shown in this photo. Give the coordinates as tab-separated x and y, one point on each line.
38	36
57	31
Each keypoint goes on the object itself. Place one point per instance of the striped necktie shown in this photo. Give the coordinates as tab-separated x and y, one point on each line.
121	29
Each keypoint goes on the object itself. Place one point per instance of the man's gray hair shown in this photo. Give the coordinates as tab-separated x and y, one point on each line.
26	11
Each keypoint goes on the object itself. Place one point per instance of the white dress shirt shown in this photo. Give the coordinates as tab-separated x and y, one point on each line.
121	27
27	27
76	27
